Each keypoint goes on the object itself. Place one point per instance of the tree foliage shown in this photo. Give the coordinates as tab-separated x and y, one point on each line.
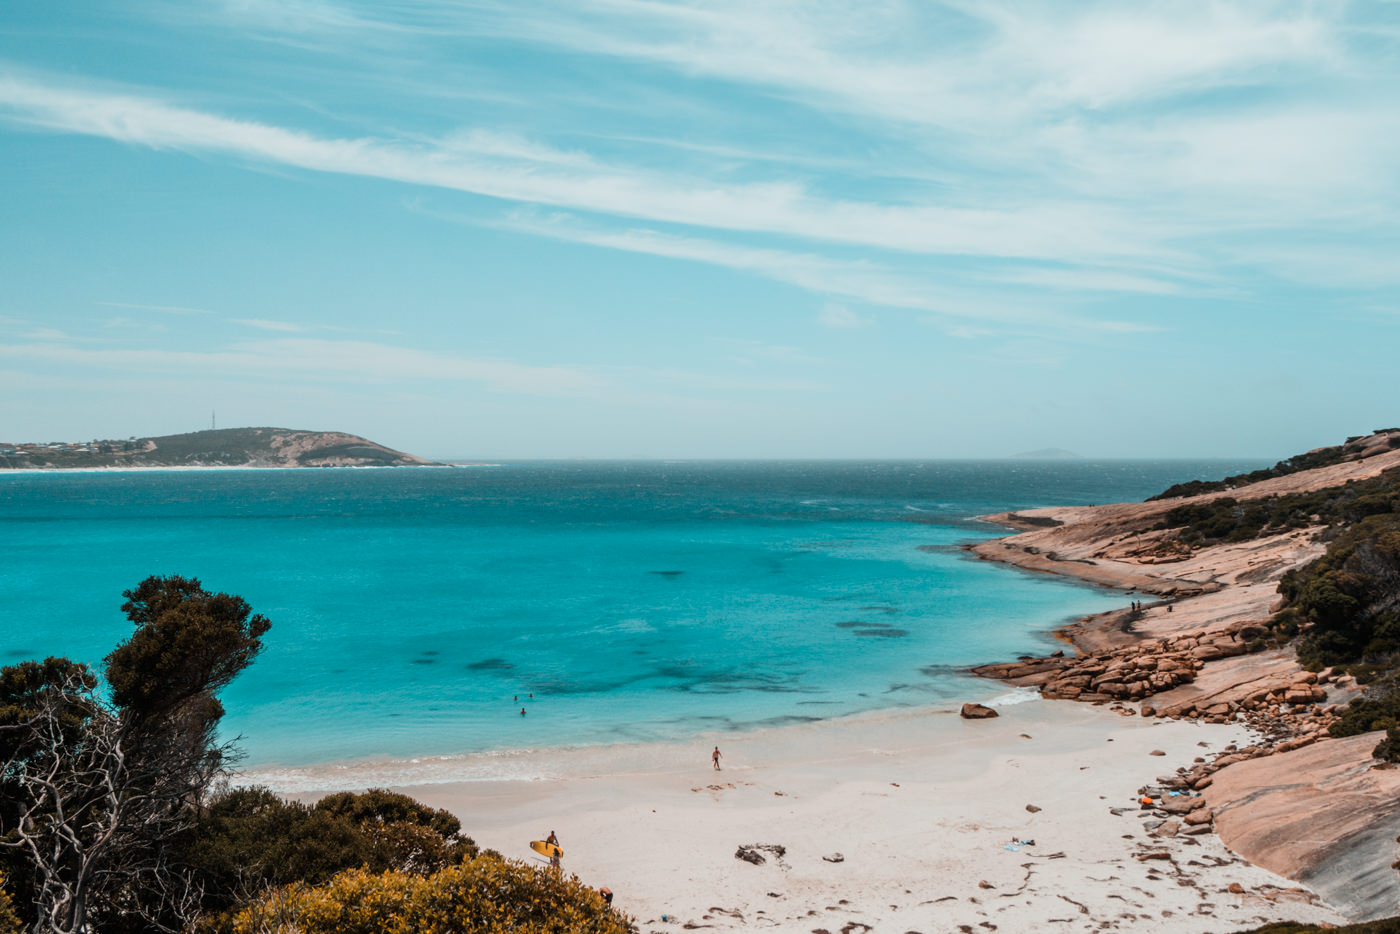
100	796
188	645
109	820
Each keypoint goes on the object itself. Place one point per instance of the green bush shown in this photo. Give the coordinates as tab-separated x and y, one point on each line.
1350	597
1388	749
250	839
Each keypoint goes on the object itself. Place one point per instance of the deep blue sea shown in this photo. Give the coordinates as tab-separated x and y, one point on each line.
416	611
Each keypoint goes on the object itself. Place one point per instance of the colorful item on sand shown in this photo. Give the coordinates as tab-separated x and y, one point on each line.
546	849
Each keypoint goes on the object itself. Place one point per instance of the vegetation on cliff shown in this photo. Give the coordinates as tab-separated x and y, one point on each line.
1345	606
1387	926
114	816
1226	519
1343	609
1353	449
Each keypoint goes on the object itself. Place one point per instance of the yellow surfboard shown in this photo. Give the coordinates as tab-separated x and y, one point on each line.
546	849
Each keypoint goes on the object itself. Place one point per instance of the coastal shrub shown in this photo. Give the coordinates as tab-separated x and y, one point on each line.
1322	457
249	839
1366	714
1386	926
1388	749
486	894
1348	601
1226	519
9	921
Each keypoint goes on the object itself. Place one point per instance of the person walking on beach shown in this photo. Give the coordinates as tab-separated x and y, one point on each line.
714	757
554	854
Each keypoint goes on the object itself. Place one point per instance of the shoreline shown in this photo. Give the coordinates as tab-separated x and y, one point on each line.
910	820
867	808
904	823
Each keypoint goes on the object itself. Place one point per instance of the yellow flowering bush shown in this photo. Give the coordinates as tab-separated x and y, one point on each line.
9	921
484	895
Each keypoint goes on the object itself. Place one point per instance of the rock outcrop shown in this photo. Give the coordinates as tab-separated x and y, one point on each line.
1322	813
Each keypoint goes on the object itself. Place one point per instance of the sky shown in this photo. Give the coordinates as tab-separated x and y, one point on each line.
632	228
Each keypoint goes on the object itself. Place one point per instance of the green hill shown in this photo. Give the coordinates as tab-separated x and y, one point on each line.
224	447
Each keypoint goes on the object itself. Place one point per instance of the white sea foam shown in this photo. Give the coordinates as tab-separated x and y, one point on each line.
500	765
1017	696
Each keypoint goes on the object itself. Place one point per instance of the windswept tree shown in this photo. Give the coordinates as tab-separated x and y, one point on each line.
99	795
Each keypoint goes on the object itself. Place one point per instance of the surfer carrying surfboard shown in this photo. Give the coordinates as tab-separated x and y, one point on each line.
556	852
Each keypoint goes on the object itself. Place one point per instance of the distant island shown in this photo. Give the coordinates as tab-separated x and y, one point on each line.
224	447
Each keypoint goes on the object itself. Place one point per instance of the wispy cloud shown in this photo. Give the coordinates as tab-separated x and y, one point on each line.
295	360
1060	231
838	316
264	325
164	309
858	280
937	64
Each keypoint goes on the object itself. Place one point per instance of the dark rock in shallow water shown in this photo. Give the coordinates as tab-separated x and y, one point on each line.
666	573
885	631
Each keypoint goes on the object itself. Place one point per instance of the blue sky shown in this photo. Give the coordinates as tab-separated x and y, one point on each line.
616	228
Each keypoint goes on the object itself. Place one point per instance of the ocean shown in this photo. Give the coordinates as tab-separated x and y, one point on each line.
417	611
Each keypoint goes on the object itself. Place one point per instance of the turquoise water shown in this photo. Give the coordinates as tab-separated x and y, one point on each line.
634	601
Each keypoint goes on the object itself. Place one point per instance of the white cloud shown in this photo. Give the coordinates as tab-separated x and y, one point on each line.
265	325
950	65
45	334
1098	56
1062	231
297	360
862	281
838	316
167	309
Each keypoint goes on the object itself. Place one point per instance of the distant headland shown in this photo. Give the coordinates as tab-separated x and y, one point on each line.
223	447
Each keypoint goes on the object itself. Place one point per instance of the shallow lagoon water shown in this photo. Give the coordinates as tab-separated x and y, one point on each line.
415	611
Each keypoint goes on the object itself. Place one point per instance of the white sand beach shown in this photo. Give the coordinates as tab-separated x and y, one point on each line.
921	806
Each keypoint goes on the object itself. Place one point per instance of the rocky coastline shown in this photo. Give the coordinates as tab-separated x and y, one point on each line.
1296	801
